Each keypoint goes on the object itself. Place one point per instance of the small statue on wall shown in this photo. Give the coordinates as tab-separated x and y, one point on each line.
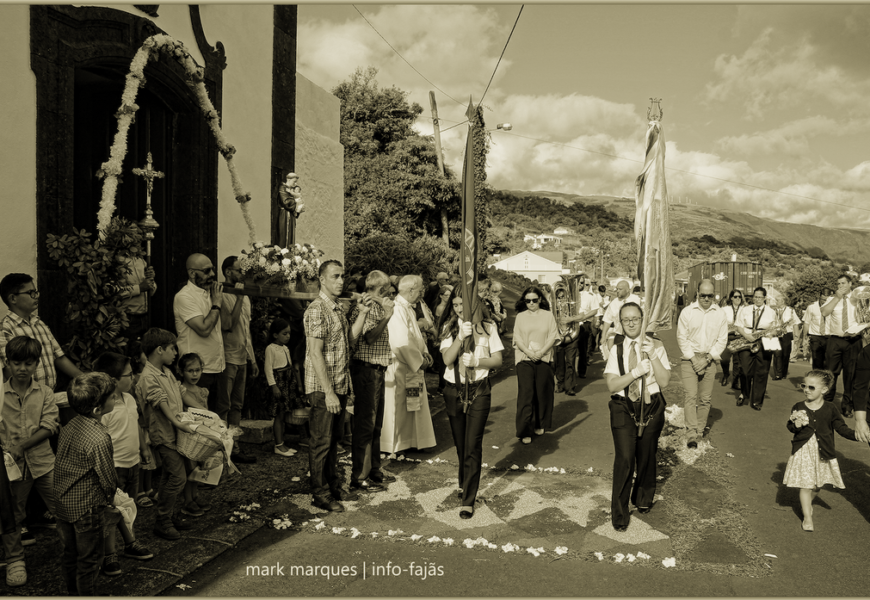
290	201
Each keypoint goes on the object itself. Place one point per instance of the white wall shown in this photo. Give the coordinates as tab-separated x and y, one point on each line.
18	149
320	166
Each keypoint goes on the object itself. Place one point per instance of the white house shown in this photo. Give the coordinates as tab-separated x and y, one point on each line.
541	239
563	231
543	267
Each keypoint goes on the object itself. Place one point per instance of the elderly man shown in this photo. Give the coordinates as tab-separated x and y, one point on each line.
367	370
611	315
702	334
407	421
843	347
197	308
327	383
236	331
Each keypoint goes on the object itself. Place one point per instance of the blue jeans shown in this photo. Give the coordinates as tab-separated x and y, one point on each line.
368	419
326	430
82	551
231	393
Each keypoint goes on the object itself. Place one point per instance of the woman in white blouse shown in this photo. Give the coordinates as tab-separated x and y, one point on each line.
468	415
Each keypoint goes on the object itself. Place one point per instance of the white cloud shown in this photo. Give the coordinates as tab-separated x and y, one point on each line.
792	138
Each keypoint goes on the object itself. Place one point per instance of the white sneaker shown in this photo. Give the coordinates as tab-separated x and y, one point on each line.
527	440
285	452
539	432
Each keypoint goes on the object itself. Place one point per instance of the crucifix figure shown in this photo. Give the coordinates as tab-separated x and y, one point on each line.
148	224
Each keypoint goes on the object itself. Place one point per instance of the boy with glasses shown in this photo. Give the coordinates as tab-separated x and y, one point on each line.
21	296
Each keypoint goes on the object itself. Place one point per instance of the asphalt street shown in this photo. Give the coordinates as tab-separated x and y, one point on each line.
722	518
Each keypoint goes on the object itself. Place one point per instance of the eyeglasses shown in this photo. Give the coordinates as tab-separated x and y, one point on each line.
532	300
631	321
130	374
32	293
811	388
706	295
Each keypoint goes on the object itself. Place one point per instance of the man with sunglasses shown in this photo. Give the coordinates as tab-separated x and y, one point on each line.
197	308
22	298
702	334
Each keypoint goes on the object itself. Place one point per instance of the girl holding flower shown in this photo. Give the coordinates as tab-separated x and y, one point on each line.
812	463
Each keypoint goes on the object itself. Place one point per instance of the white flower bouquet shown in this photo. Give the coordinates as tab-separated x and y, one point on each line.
799	418
280	267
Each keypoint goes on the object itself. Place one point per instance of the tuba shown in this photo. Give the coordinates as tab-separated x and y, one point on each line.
566	307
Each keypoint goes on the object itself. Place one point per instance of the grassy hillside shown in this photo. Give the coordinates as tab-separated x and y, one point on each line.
689	221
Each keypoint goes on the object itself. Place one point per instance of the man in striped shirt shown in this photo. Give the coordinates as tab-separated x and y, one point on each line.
21	296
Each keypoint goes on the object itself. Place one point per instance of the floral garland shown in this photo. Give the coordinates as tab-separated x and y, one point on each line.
274	265
111	169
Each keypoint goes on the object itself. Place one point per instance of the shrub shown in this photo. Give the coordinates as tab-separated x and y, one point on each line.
401	255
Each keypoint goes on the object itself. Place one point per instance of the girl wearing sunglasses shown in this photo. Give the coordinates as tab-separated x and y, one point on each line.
813	463
535	334
732	308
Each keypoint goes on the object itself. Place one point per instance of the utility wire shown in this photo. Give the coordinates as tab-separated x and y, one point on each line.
757	187
502	54
403	58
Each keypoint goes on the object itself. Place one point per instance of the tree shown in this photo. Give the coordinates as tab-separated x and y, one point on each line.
392	182
806	287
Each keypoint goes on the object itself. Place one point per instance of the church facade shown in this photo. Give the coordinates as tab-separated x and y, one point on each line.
63	71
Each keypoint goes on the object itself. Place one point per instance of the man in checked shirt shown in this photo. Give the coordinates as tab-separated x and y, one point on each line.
367	369
327	383
85	481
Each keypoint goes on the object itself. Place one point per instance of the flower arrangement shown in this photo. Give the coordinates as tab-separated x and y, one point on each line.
110	170
274	265
799	418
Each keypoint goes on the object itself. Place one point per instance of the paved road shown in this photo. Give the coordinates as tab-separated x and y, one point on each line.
722	516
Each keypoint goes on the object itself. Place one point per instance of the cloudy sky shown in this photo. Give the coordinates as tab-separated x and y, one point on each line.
776	97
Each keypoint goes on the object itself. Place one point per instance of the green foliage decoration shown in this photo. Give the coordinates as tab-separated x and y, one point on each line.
480	151
95	276
401	255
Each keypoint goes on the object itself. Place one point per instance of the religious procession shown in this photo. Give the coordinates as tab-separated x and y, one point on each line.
174	335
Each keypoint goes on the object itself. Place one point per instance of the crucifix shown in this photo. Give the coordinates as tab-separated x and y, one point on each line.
148	224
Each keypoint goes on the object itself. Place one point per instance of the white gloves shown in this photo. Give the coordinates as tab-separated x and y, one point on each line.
648	346
469	360
642	368
465	330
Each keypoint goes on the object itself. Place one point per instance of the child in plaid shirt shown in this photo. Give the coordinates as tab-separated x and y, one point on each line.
85	481
162	392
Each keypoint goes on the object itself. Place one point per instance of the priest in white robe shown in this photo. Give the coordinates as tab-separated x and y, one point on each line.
407	420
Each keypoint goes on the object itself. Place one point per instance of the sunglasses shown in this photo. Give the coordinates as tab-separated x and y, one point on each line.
532	300
811	388
705	295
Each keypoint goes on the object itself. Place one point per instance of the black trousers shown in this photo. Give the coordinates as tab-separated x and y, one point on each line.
634	453
534	397
368	419
582	343
727	357
564	358
841	354
756	367
818	347
467	429
781	358
326	475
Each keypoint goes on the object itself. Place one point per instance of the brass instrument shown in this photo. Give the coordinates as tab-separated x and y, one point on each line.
566	307
777	330
860	298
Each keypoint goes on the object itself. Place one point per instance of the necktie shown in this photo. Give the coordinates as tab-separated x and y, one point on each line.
822	325
634	388
755	318
845	317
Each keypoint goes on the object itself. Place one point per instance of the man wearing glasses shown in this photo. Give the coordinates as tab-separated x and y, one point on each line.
702	334
197	309
21	296
611	315
841	353
755	361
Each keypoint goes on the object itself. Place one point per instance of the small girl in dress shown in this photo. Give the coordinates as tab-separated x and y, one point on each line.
812	463
283	379
189	369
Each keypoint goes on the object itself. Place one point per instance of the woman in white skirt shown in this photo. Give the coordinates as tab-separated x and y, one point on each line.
812	463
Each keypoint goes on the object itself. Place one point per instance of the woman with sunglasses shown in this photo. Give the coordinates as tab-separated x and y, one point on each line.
535	334
734	305
468	419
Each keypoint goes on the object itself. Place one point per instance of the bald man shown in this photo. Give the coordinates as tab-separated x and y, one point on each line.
197	309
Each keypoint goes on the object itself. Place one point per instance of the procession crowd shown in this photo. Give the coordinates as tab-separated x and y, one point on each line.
349	368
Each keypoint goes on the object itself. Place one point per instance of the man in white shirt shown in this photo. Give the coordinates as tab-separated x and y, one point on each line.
587	308
781	359
814	327
611	315
197	308
755	363
842	350
702	334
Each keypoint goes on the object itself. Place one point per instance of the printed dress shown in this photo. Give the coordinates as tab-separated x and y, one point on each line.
807	469
279	371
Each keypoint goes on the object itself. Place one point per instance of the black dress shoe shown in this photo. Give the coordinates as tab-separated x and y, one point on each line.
756	406
724	381
243	458
740	400
385	478
367	486
346	495
621	528
330	505
466	512
692	445
644	510
572	393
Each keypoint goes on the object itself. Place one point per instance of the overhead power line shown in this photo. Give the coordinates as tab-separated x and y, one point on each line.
403	58
502	54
